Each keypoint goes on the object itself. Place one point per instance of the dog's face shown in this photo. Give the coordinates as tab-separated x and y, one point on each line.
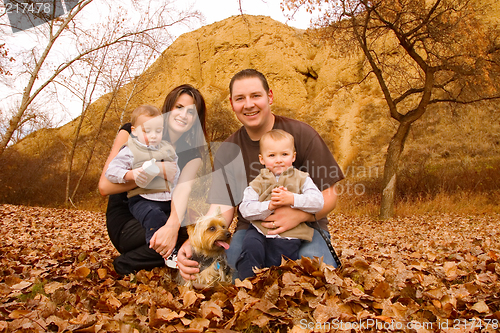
209	236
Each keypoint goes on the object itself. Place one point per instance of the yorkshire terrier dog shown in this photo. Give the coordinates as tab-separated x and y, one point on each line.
209	238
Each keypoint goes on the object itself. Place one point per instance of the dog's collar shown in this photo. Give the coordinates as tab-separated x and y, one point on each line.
205	262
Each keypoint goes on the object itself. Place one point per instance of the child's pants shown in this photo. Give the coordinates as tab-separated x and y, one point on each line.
260	251
151	214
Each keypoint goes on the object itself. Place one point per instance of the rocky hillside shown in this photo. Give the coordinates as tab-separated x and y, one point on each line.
311	81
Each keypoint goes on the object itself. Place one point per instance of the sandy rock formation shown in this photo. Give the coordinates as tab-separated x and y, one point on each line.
311	81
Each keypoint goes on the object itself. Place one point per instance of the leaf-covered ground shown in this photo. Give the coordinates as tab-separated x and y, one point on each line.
419	274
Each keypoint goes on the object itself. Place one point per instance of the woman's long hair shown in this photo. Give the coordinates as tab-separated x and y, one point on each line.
195	137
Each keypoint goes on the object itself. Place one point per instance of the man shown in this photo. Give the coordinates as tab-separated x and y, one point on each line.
251	100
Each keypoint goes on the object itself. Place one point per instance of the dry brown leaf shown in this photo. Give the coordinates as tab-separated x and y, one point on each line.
383	290
200	324
16	314
243	284
384	273
82	272
167	314
481	307
51	287
102	272
190	297
451	270
21	285
210	309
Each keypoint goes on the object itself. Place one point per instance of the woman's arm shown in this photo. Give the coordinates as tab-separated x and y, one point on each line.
164	239
105	186
183	189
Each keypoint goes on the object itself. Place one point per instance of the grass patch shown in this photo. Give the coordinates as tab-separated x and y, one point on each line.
37	288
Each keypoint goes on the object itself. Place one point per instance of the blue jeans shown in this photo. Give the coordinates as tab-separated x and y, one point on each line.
151	214
260	251
315	248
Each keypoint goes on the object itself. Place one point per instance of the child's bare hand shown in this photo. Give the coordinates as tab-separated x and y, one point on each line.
281	197
167	170
138	175
272	206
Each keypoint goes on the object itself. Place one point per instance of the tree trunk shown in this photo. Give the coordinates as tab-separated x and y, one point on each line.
394	151
13	125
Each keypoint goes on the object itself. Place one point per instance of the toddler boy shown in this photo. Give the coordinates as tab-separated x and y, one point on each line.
278	184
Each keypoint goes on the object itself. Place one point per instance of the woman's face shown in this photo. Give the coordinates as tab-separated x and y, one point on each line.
182	117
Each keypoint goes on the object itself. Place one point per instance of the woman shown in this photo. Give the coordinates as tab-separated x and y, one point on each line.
184	128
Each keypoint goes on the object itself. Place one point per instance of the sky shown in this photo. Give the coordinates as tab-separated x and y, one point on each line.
220	9
212	10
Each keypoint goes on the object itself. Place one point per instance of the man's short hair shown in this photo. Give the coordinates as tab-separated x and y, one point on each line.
276	135
246	74
144	110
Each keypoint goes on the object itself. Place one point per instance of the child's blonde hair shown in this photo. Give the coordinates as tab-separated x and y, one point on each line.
277	135
144	110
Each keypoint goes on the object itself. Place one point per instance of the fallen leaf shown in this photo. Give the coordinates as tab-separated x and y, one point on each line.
51	287
16	314
481	307
82	272
102	272
21	285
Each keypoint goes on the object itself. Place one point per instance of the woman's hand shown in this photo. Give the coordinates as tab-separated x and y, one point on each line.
164	239
167	170
285	218
186	266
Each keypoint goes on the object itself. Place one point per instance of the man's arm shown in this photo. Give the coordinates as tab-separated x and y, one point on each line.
227	212
251	208
286	218
310	200
188	267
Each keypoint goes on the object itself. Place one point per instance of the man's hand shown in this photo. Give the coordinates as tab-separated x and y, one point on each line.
186	267
167	170
285	218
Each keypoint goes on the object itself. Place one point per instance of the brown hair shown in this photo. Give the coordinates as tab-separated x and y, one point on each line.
196	136
144	110
246	74
277	135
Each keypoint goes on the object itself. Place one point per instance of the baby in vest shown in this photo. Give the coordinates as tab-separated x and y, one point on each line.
278	184
140	160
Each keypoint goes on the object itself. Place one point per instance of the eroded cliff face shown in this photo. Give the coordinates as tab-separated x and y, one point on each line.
305	74
312	80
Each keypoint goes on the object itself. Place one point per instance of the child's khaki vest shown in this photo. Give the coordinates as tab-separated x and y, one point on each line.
165	152
293	179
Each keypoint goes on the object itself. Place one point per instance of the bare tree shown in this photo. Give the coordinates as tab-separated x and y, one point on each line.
420	52
109	69
35	118
86	41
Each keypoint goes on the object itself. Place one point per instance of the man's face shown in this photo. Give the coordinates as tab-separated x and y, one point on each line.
149	131
251	103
